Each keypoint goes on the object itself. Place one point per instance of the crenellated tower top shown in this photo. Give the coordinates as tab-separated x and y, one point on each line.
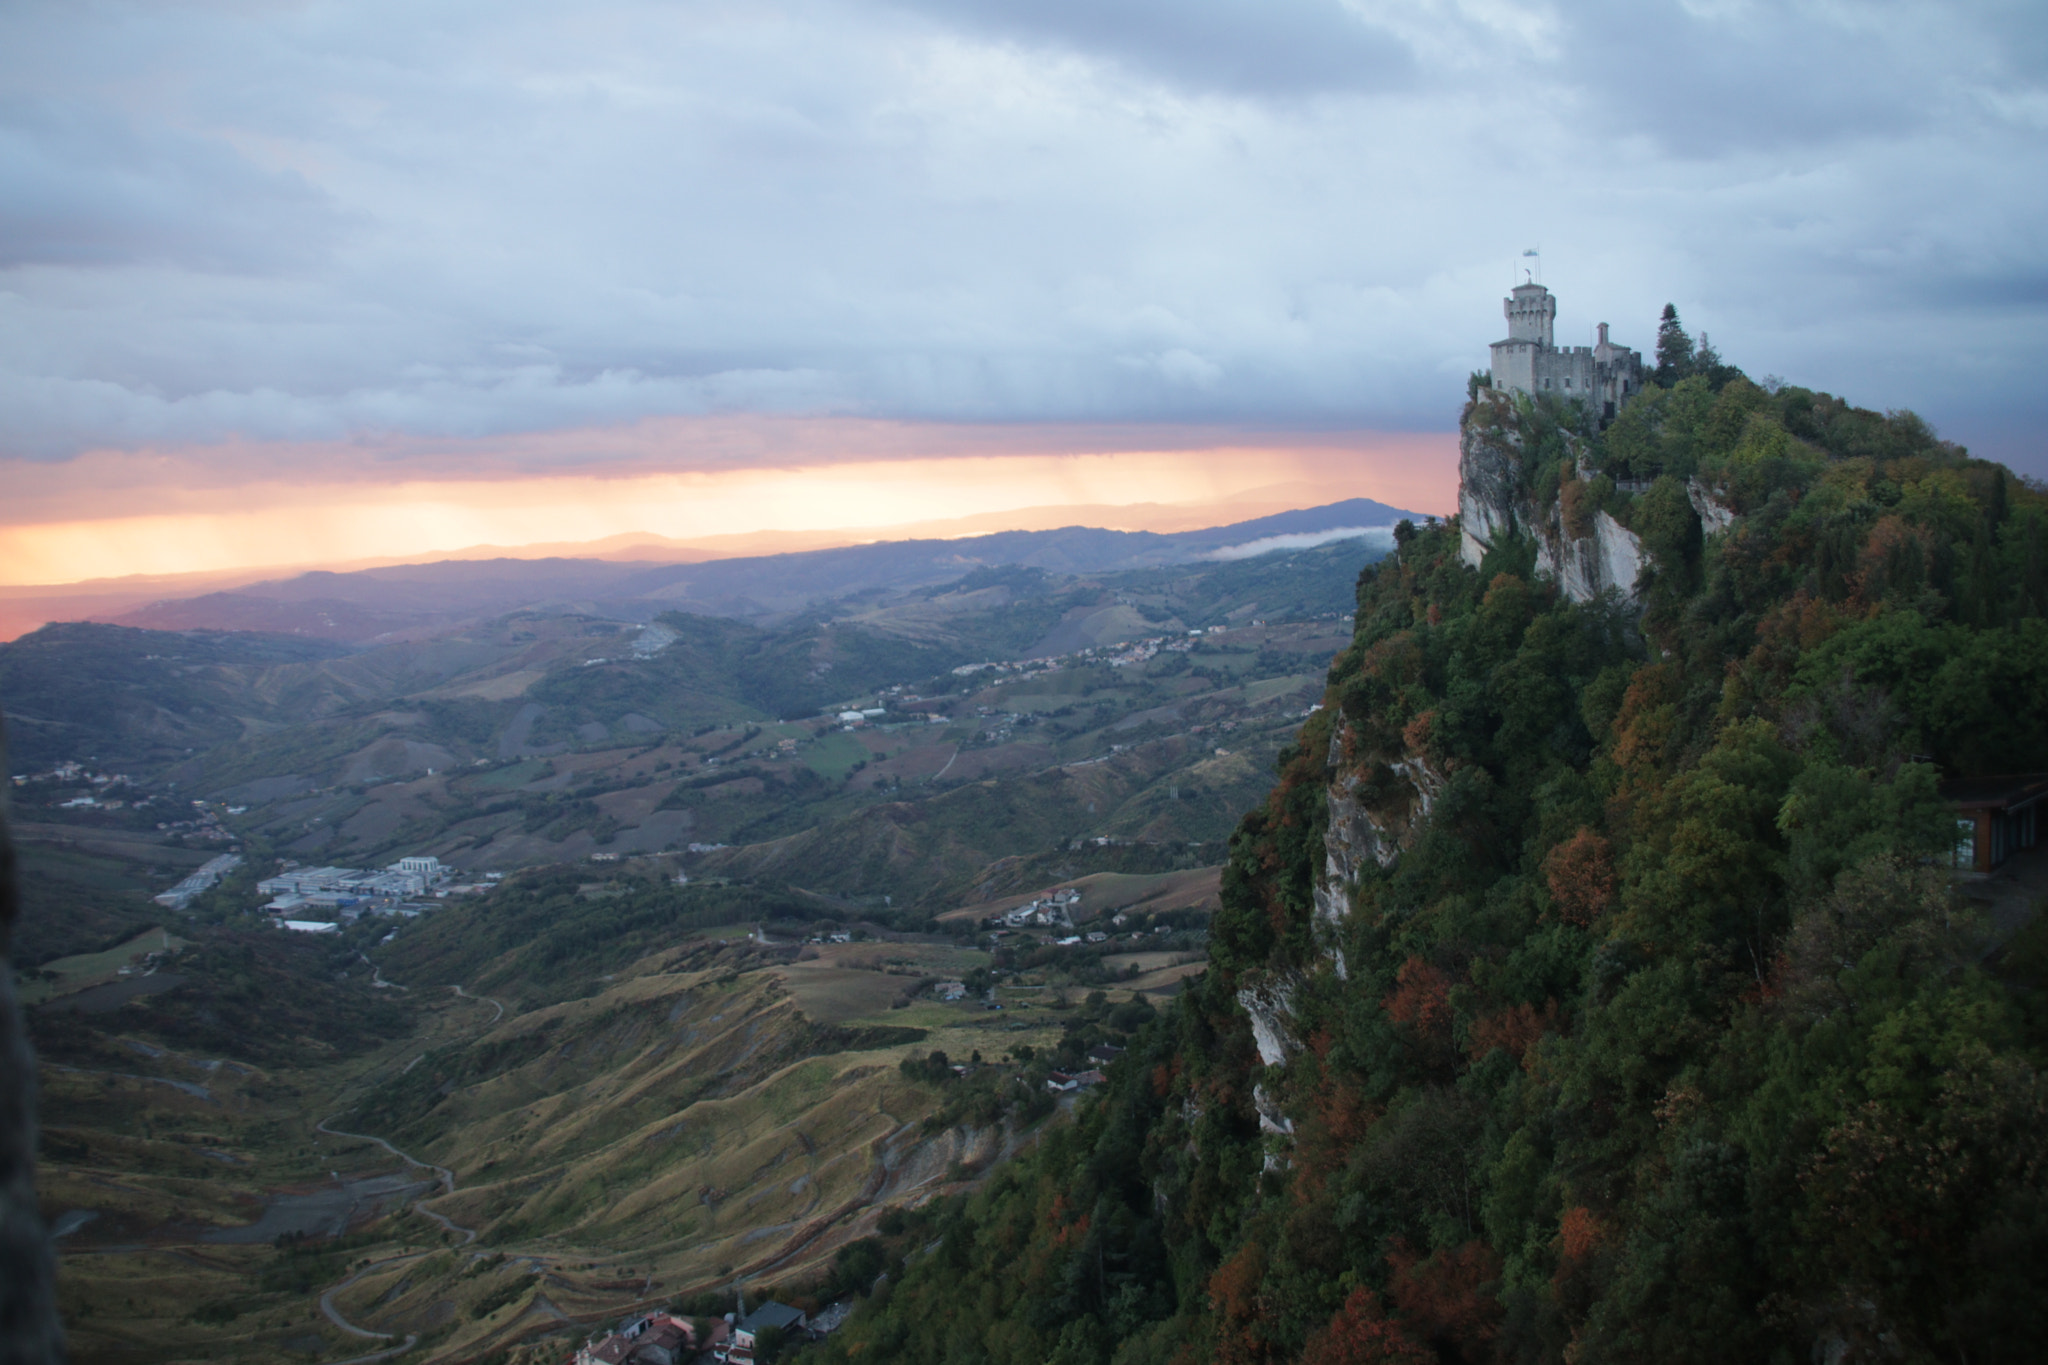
1532	312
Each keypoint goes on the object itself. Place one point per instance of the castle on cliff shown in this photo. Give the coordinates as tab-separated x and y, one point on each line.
1602	376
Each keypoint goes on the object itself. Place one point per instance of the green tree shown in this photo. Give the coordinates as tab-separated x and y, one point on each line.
1674	349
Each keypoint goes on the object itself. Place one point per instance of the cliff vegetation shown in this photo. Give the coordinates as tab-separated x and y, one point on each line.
1596	982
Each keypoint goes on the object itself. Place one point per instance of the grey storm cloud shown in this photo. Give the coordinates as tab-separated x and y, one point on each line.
85	187
1256	47
286	221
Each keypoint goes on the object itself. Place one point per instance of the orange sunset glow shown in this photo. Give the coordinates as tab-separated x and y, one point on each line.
178	514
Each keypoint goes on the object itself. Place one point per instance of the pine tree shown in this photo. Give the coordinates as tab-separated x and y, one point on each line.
1674	349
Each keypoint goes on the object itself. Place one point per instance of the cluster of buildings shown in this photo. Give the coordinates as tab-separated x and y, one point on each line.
1023	669
1138	651
99	796
1099	1056
98	785
74	772
1120	655
346	893
204	824
646	1339
667	1338
653	638
1053	908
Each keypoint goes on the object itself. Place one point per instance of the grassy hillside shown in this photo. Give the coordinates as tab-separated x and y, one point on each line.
635	1098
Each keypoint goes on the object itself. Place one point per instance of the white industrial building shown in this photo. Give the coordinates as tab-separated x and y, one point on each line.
341	889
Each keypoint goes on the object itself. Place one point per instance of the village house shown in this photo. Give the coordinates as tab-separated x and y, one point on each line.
747	1331
647	1339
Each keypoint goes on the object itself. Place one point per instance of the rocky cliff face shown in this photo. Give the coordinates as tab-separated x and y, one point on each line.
1376	806
1489	475
1494	502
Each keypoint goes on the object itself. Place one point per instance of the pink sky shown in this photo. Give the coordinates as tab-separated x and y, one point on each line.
230	507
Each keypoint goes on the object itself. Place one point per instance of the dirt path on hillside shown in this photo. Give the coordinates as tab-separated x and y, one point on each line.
446	1178
486	1000
334	1316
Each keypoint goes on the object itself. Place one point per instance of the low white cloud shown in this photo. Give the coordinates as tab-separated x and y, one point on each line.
1305	540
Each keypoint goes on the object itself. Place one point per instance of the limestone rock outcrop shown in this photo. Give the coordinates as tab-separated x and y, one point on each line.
1489	476
1494	503
1268	1008
1714	514
1373	816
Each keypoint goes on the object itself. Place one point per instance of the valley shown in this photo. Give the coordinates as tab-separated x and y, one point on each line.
751	972
732	1106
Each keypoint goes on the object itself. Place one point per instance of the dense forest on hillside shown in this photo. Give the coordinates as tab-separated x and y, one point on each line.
1660	1027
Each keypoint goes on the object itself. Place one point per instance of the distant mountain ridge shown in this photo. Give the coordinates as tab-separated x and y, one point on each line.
407	601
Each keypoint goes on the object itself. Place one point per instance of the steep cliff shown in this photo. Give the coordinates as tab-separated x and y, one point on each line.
1592	984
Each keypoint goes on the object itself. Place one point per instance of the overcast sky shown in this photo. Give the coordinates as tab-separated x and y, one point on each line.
366	221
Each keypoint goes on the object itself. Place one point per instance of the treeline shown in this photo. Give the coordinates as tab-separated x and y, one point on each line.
1668	1034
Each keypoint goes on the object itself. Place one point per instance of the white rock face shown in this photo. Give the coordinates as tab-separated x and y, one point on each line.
1488	476
1267	1007
1609	559
1271	1120
1354	836
1492	504
1713	515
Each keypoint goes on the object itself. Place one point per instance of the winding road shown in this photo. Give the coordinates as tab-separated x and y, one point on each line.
447	1178
486	999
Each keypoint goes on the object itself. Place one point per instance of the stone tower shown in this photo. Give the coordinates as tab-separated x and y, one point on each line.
1531	311
1603	377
